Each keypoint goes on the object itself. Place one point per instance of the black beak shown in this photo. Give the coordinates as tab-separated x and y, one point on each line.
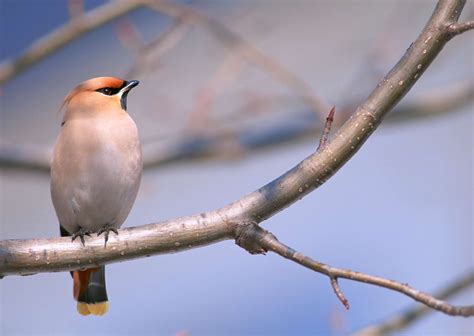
127	87
130	85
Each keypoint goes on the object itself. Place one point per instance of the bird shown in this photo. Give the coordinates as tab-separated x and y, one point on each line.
96	171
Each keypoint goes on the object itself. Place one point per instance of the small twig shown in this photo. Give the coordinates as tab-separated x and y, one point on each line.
416	312
327	129
76	9
337	290
150	55
267	241
226	73
459	28
129	36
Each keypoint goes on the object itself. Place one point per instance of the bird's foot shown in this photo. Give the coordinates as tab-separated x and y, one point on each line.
81	233
106	230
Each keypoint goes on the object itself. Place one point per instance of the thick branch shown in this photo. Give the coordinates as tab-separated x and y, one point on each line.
59	254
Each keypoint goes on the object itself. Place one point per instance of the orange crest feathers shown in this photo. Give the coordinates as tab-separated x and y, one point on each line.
92	85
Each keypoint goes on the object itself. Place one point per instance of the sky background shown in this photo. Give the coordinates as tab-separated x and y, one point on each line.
401	208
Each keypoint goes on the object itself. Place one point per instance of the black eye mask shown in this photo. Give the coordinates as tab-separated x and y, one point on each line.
109	91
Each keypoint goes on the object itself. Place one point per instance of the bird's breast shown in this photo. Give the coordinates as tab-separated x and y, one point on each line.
99	149
96	171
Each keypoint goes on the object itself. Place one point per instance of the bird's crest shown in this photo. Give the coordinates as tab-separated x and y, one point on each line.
92	85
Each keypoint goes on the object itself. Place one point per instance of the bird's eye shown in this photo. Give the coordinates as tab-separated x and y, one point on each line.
107	91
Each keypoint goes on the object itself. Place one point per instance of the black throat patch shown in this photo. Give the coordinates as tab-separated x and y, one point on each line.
123	100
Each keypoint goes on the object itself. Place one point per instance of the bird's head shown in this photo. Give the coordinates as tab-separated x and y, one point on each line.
97	96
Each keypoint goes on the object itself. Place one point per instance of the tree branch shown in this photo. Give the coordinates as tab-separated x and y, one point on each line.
149	56
409	316
58	38
236	220
259	238
459	28
327	129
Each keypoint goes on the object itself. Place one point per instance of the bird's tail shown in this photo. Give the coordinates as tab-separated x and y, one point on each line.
90	292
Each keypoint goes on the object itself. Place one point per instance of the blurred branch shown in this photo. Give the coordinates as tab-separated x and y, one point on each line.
149	56
24	157
239	220
226	73
76	8
78	26
129	36
82	23
244	48
296	126
409	316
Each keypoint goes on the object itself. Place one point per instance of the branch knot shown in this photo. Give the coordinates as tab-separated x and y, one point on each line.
249	236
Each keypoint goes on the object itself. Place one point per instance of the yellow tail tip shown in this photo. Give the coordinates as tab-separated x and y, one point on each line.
82	308
97	309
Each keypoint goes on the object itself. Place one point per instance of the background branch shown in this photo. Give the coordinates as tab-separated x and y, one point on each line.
296	126
244	48
83	23
58	38
149	56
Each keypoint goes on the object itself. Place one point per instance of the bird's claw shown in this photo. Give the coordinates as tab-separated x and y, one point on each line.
81	233
106	230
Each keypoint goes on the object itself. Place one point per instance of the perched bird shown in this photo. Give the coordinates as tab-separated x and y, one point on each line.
95	174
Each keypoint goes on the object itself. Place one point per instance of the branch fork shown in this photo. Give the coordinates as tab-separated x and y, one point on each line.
249	236
256	240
